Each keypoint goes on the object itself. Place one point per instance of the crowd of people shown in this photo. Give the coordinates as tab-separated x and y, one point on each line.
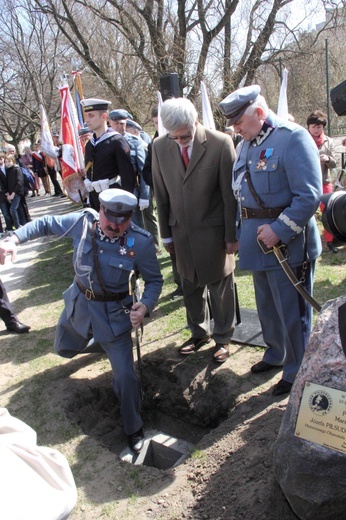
217	195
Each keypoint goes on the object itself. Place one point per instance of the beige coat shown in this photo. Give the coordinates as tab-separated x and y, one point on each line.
197	207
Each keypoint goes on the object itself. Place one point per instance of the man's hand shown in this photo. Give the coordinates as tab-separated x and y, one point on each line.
169	246
231	247
5	249
137	313
267	235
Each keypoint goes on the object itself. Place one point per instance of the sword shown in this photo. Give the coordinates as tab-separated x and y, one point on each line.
134	291
278	251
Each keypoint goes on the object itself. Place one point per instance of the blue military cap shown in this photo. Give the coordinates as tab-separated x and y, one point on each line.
95	104
117	204
119	114
235	104
84	130
133	124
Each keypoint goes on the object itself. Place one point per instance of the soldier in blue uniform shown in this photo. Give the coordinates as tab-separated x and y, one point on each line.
107	248
277	181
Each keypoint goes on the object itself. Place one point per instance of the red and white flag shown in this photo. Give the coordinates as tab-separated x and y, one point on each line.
72	160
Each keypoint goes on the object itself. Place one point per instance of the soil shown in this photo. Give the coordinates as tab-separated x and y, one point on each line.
227	413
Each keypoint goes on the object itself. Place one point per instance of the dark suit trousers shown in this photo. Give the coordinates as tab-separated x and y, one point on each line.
6	313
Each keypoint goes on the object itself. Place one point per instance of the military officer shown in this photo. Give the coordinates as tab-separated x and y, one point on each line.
277	181
107	154
107	248
118	121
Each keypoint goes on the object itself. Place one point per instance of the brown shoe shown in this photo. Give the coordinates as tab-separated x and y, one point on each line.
193	344
221	353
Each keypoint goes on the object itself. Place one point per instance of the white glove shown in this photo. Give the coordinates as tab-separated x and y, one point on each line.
96	186
88	185
143	204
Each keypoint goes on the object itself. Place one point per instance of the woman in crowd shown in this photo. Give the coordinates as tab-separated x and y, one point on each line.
26	162
39	169
316	123
15	191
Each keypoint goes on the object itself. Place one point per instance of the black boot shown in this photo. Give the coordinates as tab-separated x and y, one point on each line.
332	248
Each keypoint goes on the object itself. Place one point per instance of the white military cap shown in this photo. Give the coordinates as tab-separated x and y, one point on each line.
117	204
95	104
235	104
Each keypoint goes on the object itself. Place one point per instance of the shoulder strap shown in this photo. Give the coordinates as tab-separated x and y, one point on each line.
257	198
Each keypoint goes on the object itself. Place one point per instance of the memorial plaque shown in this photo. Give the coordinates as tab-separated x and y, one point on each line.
322	416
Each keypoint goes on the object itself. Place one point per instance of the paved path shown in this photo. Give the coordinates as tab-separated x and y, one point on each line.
12	275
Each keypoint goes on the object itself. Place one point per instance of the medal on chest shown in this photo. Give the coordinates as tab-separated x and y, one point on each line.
126	246
263	158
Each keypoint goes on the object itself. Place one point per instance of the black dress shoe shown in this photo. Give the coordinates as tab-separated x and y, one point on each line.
19	328
261	366
136	441
282	387
177	294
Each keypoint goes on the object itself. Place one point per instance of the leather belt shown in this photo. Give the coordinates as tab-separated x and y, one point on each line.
100	297
261	213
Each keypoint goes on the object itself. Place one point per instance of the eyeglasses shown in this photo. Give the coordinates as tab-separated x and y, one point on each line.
180	137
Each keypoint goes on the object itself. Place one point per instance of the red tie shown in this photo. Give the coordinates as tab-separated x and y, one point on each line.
185	157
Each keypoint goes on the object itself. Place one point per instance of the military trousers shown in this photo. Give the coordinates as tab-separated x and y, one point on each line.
285	317
68	343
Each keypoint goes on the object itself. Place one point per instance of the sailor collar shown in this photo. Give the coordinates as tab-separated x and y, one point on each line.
108	133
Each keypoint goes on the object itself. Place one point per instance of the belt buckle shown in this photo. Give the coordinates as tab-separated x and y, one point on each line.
244	213
88	294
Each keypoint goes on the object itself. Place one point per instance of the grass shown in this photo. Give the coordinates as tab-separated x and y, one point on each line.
198	455
38	372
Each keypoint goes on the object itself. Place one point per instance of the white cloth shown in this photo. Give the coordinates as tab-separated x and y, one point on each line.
143	204
207	113
282	104
36	482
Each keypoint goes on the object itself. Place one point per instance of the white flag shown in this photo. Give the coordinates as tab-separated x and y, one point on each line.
282	105
47	145
207	114
160	128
